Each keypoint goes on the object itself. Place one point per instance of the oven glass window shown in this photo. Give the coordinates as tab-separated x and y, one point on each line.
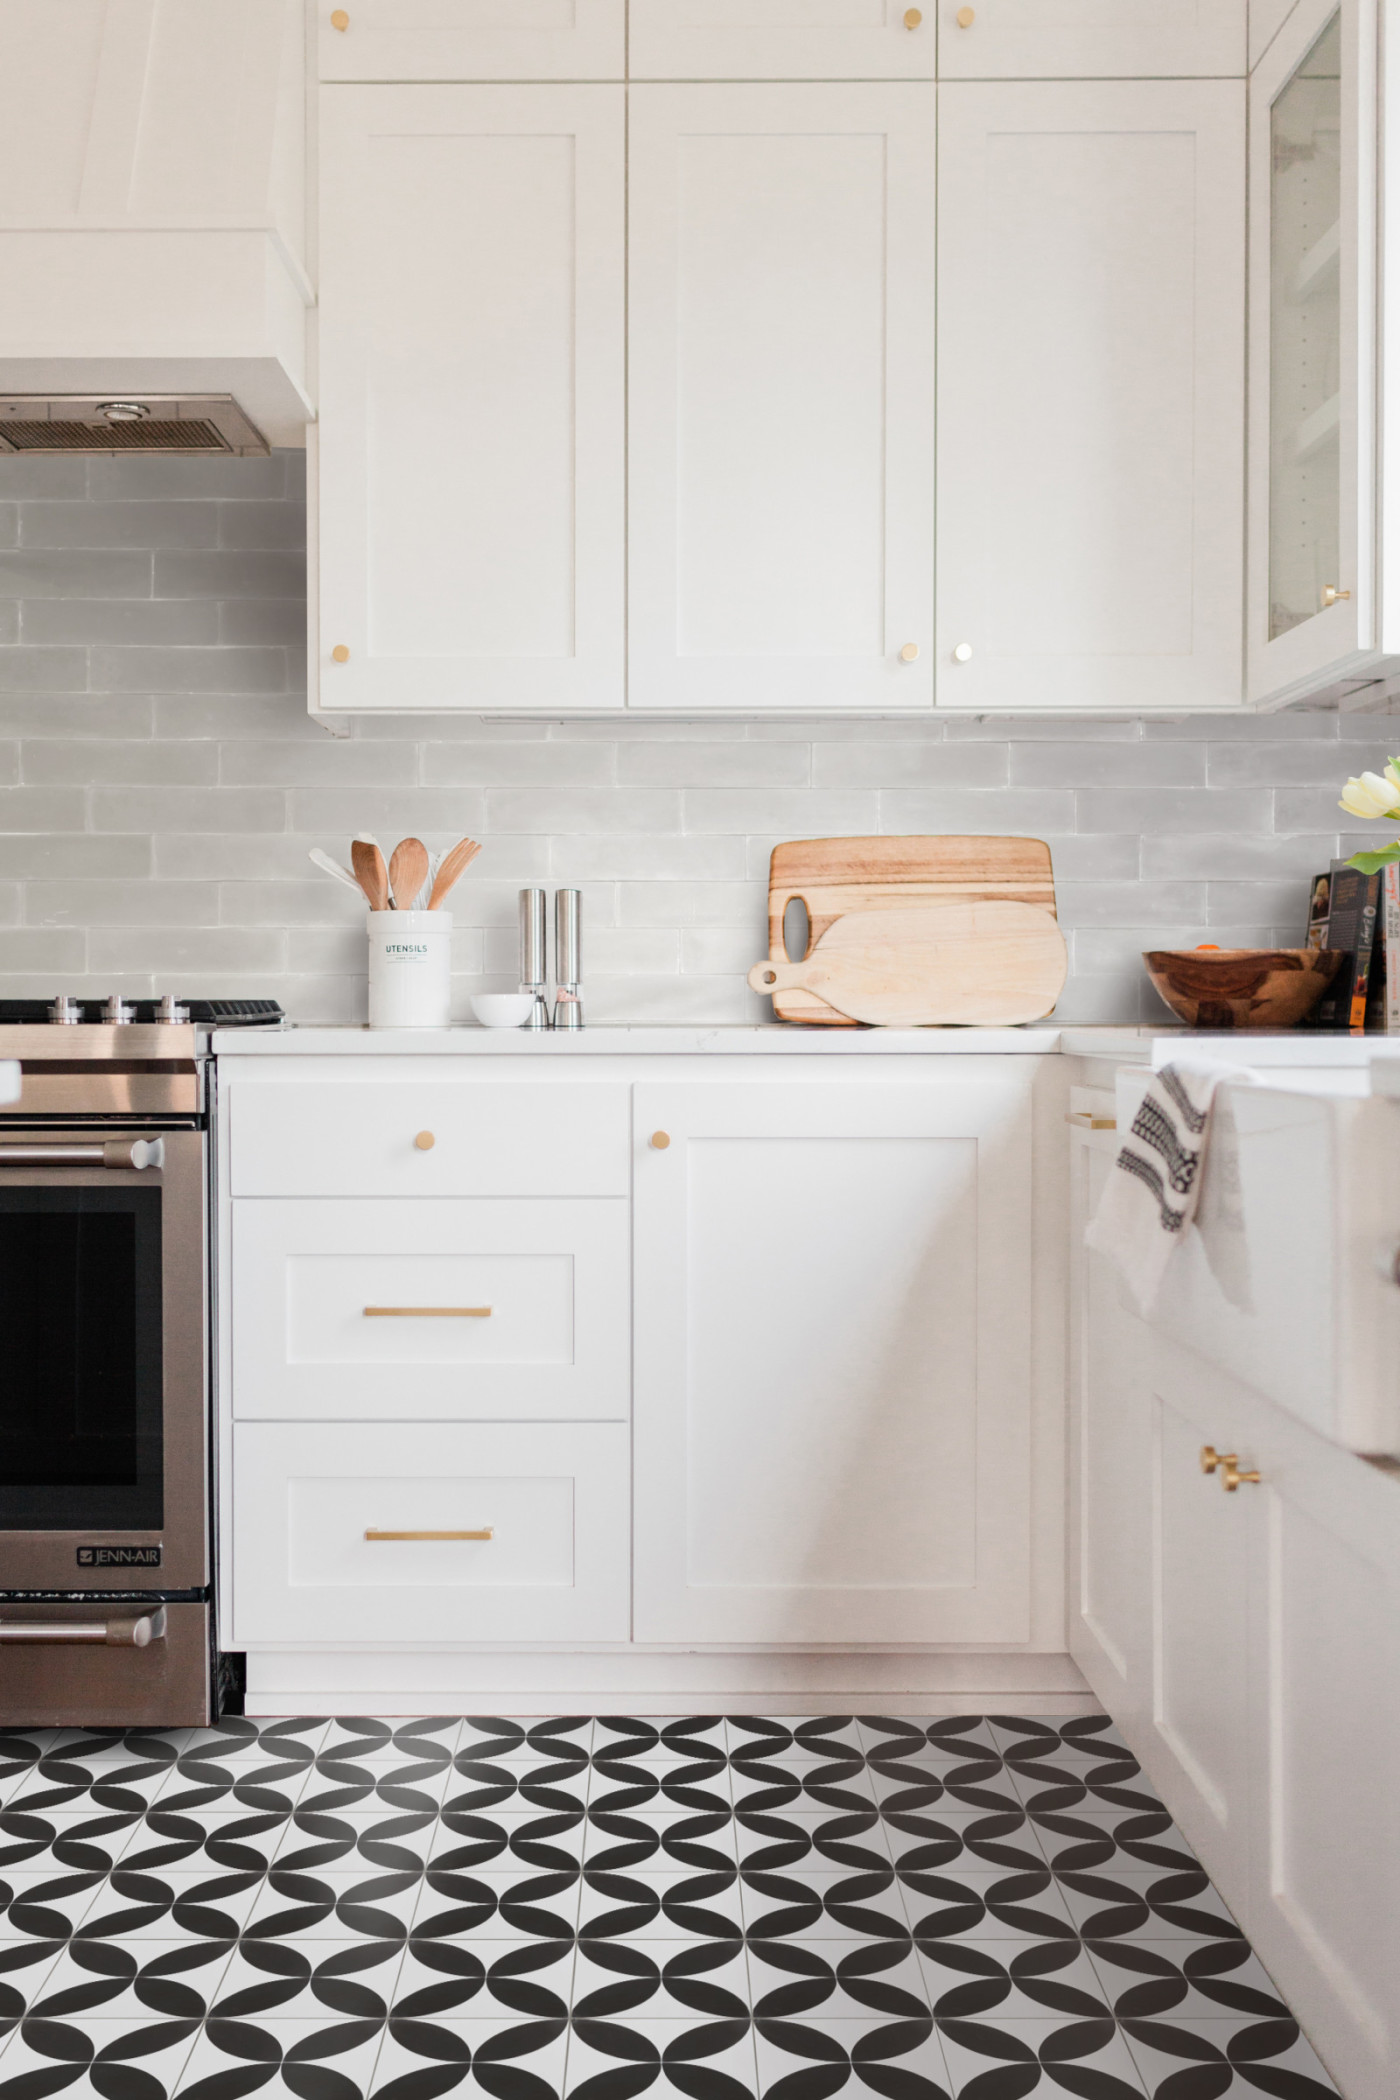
80	1359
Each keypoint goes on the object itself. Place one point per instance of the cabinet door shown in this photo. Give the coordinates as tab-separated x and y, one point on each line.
780	389
1095	39
781	40
1324	1906
1111	1498
472	40
1091	395
1312	289
832	1292
471	432
1204	1544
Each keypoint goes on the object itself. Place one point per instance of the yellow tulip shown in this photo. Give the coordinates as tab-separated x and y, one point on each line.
1372	794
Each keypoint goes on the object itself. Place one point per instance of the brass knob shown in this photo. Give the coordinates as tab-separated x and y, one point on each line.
340	654
1211	1458
659	1140
966	17
963	653
339	18
1330	594
912	18
909	652
425	1141
1233	1476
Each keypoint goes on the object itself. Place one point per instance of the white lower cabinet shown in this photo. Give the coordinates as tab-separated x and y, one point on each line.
821	1290
425	1533
1247	1642
832	1376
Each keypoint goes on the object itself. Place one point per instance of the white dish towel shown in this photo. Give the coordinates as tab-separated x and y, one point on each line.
1155	1187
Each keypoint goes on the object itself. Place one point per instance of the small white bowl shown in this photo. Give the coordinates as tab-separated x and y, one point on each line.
503	1009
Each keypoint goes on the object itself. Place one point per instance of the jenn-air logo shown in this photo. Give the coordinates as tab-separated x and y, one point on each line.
119	1556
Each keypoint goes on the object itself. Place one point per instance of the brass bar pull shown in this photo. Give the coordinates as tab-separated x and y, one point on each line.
377	1537
1085	1121
427	1312
1233	1476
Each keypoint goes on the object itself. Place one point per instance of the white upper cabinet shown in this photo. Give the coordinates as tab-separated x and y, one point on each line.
1323	485
471	429
780	396
472	40
1089	39
1091	395
782	40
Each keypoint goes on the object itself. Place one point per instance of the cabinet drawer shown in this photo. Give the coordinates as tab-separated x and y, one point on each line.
408	1311
457	1137
553	1501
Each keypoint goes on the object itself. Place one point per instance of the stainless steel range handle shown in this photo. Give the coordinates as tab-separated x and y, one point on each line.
86	1633
118	1152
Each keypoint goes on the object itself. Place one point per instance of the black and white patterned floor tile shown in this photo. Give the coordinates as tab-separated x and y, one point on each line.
719	1909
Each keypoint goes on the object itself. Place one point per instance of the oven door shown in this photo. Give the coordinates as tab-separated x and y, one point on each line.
103	1387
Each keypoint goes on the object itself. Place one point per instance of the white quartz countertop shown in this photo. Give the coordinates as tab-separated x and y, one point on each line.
646	1040
1126	1045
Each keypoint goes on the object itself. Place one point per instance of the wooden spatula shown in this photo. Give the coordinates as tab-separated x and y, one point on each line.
453	865
408	871
987	965
370	872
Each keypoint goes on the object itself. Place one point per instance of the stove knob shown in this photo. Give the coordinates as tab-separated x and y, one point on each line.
169	1009
116	1012
66	1012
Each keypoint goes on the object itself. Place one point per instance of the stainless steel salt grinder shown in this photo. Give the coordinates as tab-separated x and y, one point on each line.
534	960
568	1005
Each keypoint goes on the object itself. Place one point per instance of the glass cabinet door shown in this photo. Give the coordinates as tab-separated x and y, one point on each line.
1305	338
1312	362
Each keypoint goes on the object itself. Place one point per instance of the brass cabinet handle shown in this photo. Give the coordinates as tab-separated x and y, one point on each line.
1233	1476
339	18
659	1140
377	1538
912	18
966	17
1086	1121
962	654
1330	594
425	1141
427	1312
340	654
1227	1464
909	653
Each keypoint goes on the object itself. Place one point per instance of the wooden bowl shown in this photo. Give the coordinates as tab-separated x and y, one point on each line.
1242	987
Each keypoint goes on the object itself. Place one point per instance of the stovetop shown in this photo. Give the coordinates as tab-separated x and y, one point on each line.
141	1013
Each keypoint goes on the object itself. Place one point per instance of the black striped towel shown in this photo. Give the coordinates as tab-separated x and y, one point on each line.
1151	1195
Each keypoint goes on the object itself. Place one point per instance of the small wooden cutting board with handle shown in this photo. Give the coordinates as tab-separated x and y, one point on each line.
835	878
988	965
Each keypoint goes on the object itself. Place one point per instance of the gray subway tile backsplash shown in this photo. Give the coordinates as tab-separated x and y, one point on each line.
161	785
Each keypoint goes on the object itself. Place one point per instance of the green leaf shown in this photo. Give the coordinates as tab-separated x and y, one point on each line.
1372	863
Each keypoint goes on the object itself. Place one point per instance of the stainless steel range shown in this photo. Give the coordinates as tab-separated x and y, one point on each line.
105	1541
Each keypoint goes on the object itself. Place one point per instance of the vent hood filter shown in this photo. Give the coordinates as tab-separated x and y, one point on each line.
168	423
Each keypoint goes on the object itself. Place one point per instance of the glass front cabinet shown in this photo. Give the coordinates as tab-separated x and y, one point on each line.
1318	616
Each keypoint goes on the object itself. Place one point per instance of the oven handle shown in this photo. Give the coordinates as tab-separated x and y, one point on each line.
118	1152
86	1633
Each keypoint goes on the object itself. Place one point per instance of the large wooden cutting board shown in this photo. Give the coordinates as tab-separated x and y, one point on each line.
835	877
988	965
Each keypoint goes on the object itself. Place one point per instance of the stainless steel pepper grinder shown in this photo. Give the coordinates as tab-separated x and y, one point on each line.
568	1003
534	960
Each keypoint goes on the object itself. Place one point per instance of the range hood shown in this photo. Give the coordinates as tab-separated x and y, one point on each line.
173	423
153	225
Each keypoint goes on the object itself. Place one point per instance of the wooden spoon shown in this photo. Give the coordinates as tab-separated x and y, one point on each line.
408	871
370	872
453	865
